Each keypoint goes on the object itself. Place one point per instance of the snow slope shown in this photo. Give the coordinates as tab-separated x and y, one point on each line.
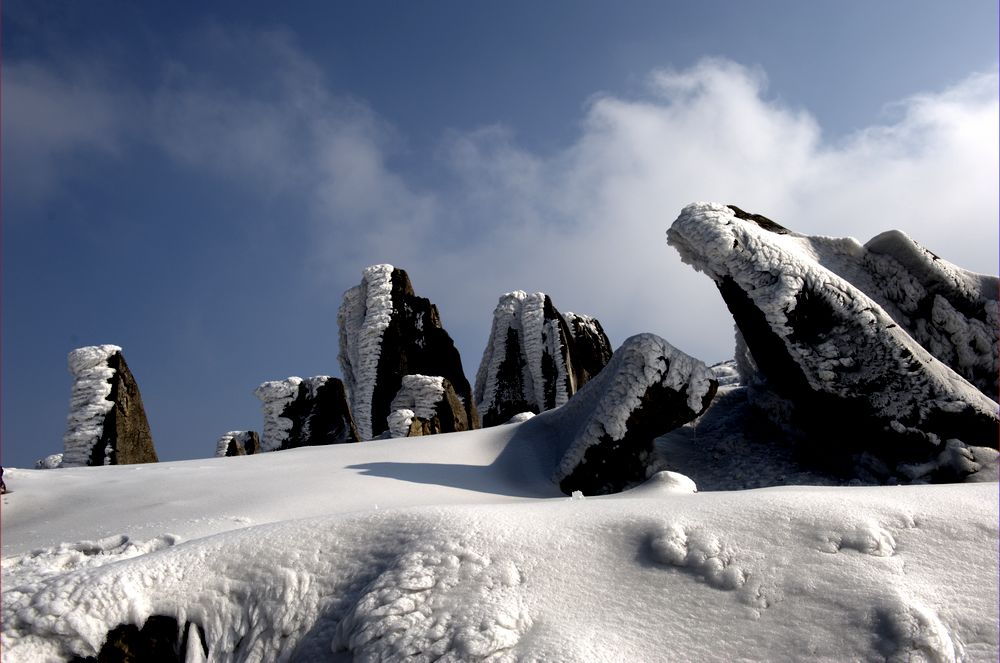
458	547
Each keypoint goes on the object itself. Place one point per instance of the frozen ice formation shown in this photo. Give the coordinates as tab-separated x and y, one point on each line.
302	413
868	394
536	358
426	405
606	431
107	423
386	333
238	443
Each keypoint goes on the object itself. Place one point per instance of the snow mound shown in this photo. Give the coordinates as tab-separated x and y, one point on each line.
89	404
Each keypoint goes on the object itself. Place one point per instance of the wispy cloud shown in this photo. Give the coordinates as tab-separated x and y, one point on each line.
585	223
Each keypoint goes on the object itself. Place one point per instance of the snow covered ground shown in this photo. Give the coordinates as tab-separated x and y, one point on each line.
459	547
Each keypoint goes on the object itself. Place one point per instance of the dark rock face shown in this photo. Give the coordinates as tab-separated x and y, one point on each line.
160	640
607	430
386	333
426	405
536	358
107	422
302	413
238	443
867	398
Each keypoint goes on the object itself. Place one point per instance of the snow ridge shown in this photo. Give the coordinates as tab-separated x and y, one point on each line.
89	403
364	315
275	396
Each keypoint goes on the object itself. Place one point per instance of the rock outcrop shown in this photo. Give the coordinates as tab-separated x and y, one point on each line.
107	422
536	358
605	432
386	333
426	405
302	413
869	397
238	443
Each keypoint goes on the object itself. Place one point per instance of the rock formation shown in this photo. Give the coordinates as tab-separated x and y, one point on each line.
867	394
386	333
107	423
302	413
238	443
536	358
426	405
605	432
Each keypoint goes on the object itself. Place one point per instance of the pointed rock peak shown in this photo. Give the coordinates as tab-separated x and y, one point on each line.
305	412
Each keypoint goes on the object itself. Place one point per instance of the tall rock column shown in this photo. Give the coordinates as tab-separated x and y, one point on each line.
107	423
386	333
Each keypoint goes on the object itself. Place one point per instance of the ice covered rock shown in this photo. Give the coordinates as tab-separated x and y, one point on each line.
606	431
107	423
387	332
426	405
50	462
302	413
948	310
238	443
536	358
869	397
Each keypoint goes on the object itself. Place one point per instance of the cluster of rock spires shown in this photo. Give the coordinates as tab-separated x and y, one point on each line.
880	359
858	350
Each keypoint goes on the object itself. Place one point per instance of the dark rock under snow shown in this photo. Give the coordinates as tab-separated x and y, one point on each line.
302	413
536	358
834	363
386	333
238	443
426	405
605	433
107	423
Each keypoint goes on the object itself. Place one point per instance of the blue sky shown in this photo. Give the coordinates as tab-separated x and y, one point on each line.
200	182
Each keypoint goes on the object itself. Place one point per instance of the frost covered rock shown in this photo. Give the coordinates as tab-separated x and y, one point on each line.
107	423
50	462
426	405
302	413
868	395
386	333
606	431
238	443
536	358
948	310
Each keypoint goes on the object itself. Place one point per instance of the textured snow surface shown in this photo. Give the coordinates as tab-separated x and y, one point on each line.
492	567
602	407
525	314
275	396
865	351
364	315
88	403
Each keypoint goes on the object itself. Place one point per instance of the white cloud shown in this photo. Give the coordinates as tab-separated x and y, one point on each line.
587	223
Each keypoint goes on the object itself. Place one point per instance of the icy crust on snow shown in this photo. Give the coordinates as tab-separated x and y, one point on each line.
601	409
89	404
364	315
525	314
275	396
817	573
950	311
865	352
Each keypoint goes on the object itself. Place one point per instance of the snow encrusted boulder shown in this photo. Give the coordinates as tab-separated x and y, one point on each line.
532	362
386	333
426	405
50	462
302	413
605	432
866	394
238	443
107	422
